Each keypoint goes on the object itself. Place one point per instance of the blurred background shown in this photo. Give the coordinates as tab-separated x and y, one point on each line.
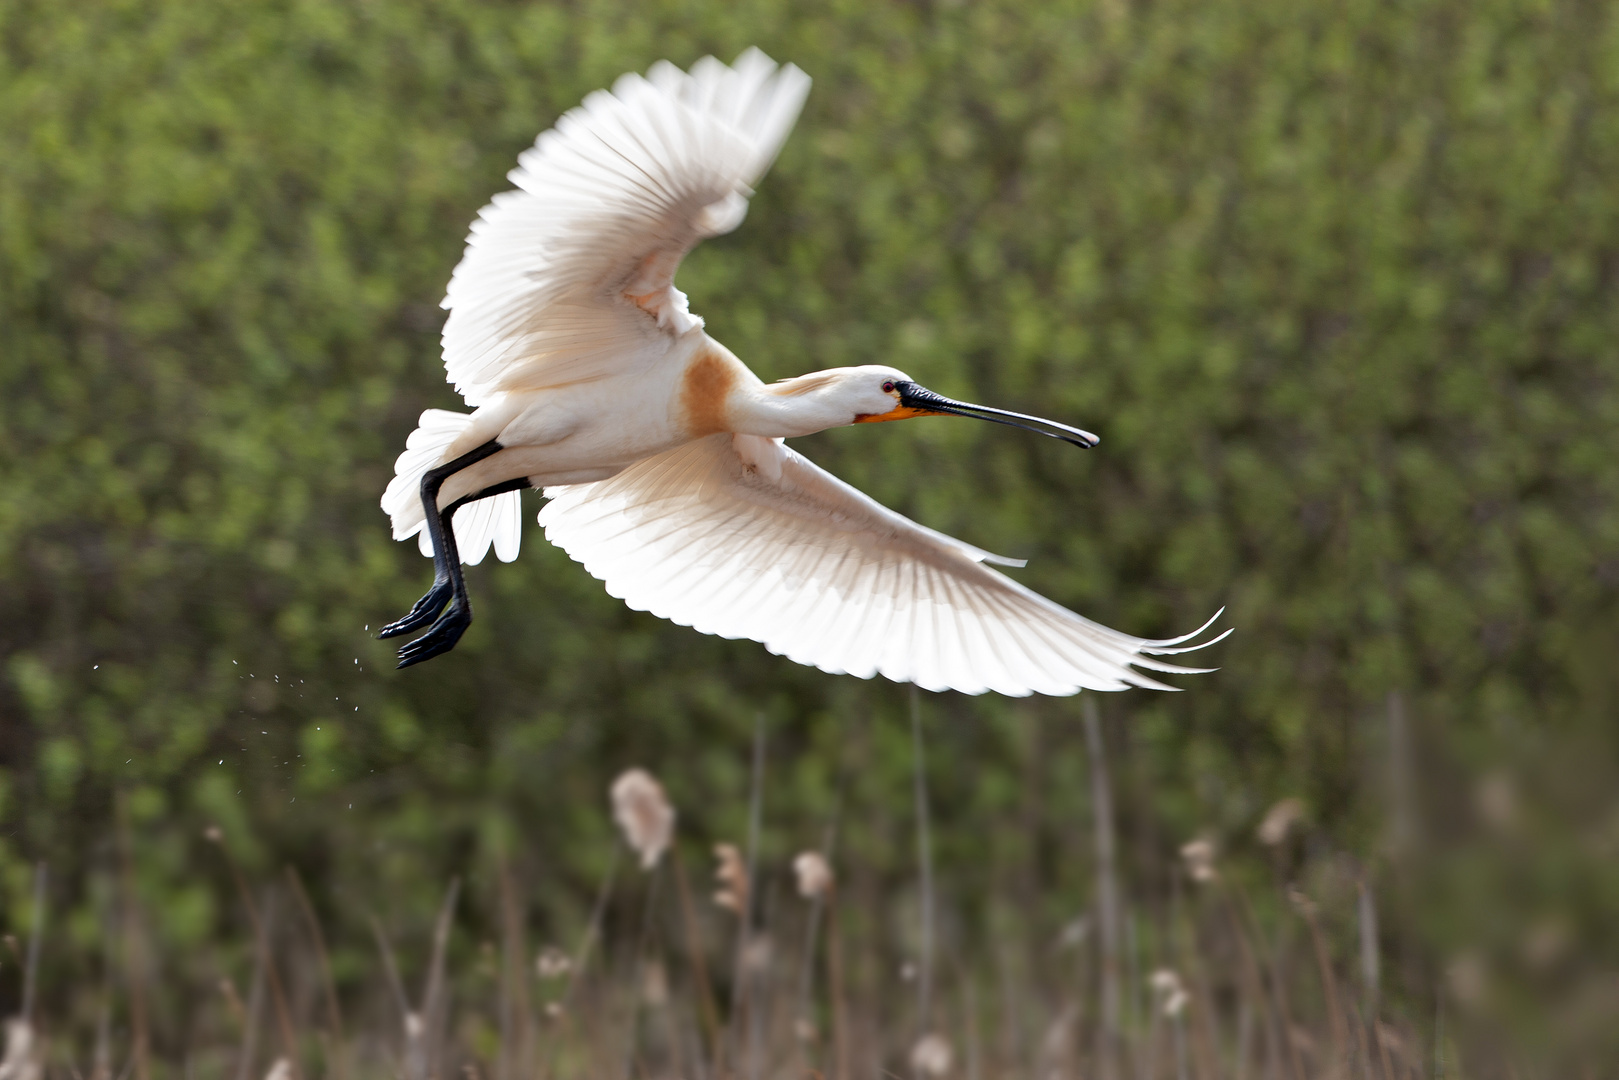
1336	284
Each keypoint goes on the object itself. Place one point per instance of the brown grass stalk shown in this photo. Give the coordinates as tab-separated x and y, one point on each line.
699	967
1107	892
742	983
1365	1047
1281	1015
338	1054
581	958
836	985
415	1059
1329	983
435	997
1383	1050
924	859
516	1029
1236	904
101	1056
250	1017
134	955
1205	1042
639	961
36	928
261	937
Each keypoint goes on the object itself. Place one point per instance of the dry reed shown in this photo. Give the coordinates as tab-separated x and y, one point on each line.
1215	976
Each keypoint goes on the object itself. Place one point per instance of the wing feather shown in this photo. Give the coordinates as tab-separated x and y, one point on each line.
790	556
571	275
855	617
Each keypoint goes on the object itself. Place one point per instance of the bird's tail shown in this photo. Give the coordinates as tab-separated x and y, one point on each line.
497	520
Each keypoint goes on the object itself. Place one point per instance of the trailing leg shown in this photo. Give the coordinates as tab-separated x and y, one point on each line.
448	585
446	565
447	631
433	601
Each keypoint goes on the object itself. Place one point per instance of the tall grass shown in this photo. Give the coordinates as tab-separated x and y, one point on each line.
1226	981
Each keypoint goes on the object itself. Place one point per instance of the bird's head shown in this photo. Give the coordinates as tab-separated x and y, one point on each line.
902	398
874	393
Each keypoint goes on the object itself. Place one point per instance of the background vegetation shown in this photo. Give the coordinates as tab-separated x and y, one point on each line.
1335	282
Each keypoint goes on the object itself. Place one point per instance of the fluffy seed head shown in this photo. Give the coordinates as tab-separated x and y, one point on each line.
552	963
931	1055
1171	994
1199	857
644	814
1074	933
654	984
1279	821
759	954
21	1063
732	877
814	875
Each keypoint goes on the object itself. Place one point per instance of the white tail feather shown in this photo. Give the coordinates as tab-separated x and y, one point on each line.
497	520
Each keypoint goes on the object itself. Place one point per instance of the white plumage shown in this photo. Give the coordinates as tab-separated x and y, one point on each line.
496	521
740	536
608	202
662	454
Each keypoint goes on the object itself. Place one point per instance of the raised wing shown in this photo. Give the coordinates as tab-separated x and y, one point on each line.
571	276
742	537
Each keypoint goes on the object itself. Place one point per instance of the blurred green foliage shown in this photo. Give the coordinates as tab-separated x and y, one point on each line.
1335	283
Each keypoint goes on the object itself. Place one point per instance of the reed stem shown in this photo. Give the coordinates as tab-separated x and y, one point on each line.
1107	892
924	858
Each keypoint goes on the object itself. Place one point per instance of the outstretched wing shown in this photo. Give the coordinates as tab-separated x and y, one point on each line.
742	537
572	275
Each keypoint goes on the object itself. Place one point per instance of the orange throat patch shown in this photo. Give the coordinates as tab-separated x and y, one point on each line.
898	412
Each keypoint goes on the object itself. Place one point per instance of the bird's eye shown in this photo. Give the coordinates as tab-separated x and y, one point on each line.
888	387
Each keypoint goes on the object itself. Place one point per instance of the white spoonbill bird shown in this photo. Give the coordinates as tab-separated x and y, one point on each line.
662	455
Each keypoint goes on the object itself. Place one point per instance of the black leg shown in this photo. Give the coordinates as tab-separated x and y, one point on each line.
447	631
448	584
445	570
433	601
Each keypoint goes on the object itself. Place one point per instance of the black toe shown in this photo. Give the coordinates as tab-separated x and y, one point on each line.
425	611
440	639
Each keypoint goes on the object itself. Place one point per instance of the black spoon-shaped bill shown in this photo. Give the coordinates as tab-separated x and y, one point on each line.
924	402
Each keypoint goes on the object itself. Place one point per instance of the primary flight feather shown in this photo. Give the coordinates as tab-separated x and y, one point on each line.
662	455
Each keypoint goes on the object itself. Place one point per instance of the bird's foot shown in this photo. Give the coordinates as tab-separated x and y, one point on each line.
440	639
425	611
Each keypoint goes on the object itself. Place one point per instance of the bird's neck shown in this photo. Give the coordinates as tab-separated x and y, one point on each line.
769	411
718	393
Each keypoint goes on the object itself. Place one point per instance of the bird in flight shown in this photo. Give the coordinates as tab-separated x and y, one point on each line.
662	455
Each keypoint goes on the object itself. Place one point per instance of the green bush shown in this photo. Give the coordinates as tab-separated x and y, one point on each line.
1336	284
